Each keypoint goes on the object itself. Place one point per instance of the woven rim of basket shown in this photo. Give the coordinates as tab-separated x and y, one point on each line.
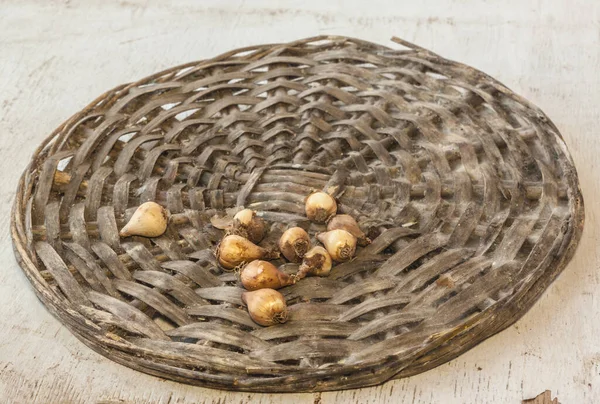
401	356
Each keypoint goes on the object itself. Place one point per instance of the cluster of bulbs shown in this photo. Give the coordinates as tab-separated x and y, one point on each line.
261	279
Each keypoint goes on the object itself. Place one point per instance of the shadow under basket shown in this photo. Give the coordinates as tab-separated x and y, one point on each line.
466	189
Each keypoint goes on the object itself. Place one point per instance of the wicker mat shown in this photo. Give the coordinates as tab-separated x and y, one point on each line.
467	190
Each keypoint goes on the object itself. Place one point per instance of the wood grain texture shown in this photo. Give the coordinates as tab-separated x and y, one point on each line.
554	64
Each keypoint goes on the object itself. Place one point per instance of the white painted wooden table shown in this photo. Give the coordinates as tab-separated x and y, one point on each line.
56	56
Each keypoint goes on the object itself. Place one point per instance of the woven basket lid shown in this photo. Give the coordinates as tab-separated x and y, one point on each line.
467	190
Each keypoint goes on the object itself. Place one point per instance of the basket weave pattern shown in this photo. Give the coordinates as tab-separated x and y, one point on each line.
467	190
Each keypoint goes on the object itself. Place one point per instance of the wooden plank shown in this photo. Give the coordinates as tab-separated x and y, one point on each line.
549	55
